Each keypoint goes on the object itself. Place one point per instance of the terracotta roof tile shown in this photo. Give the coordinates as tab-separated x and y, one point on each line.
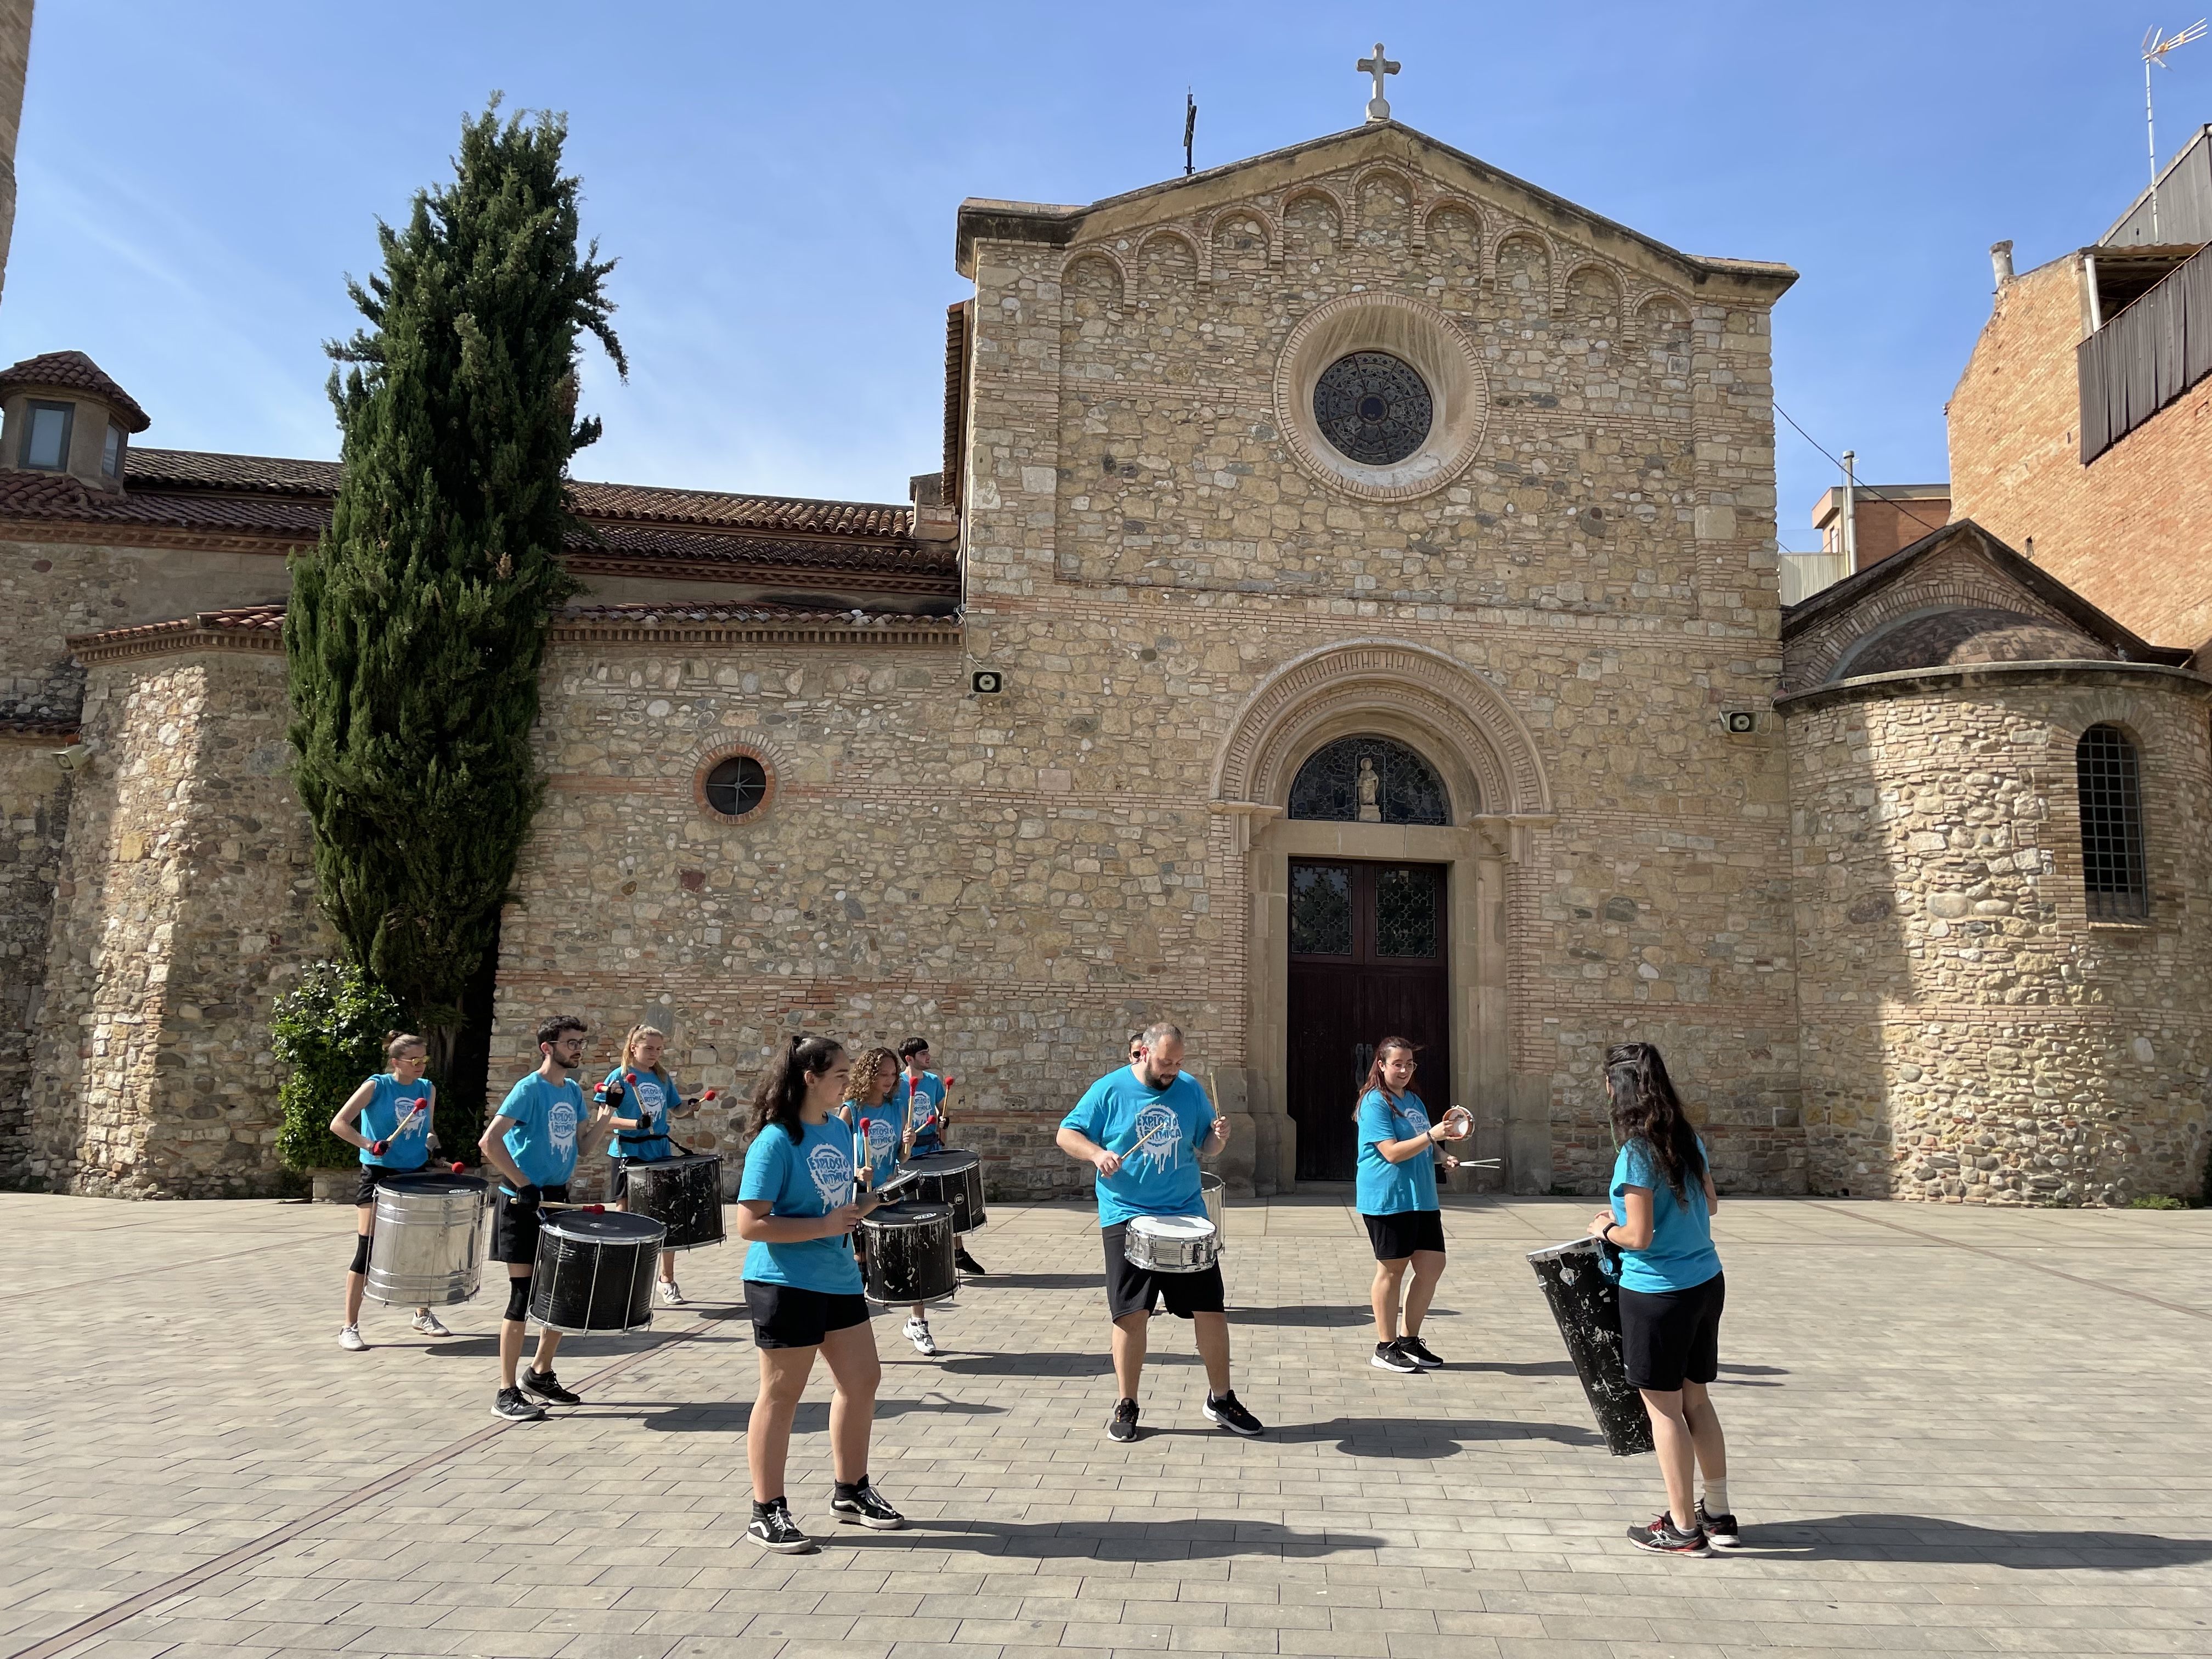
750	611
72	371
194	468
933	564
789	513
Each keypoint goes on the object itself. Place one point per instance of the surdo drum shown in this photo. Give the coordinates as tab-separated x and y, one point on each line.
683	1193
1171	1243
1586	1302
951	1178
1211	1190
426	1249
910	1253
594	1271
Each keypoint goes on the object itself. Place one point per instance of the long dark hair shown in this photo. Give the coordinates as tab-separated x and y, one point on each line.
782	1088
1645	1108
1375	1070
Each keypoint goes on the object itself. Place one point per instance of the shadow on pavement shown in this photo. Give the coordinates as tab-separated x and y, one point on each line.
1923	1538
1514	1367
1119	1540
1035	1281
1415	1438
1049	1364
1341	1315
725	1417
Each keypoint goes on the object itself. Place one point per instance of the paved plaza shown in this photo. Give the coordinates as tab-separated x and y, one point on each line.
1953	1431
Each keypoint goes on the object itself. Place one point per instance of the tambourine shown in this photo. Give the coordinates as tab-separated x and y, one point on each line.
1457	1123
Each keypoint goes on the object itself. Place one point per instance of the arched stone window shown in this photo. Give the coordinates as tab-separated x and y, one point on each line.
1369	779
2107	776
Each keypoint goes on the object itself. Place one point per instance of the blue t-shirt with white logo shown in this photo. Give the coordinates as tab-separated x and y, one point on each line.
1156	1131
543	1138
922	1101
650	1099
1384	1188
387	1109
811	1176
886	1123
1681	1256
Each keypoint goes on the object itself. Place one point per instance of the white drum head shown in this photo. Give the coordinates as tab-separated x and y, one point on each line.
1173	1226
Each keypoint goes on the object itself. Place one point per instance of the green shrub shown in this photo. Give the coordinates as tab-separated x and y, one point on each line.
330	1029
2157	1201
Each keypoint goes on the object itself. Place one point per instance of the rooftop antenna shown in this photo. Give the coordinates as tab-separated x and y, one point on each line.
1189	128
2155	46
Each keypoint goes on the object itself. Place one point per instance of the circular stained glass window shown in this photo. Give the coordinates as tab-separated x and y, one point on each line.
1373	407
736	785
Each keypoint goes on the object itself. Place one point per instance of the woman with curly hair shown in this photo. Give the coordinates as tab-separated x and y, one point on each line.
1671	1294
873	1099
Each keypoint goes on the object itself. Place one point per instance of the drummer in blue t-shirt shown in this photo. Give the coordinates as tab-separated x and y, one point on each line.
644	1097
1397	1182
920	1095
533	1143
389	1118
1144	1130
797	1207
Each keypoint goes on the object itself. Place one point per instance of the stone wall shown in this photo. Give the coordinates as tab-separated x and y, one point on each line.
1969	1033
185	901
2127	530
34	798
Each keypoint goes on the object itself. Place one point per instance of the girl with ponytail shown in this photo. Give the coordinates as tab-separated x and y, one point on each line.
1396	1183
1671	1295
644	1097
797	1207
388	1117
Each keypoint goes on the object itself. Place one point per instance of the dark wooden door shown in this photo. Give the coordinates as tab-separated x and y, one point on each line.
1368	959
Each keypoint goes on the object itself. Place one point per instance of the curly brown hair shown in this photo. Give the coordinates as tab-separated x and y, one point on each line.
877	1066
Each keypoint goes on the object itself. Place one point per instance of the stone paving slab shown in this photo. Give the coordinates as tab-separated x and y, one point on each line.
1954	1430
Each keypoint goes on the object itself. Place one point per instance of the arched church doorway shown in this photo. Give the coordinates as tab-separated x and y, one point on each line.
1370	947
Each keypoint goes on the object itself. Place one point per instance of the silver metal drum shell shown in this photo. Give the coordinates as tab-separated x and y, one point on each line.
428	1250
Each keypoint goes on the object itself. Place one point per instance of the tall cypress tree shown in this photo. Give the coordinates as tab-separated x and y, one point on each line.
417	625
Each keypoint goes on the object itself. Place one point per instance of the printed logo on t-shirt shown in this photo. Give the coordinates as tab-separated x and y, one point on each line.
648	1098
1411	1120
1163	1150
879	1137
831	1171
561	1125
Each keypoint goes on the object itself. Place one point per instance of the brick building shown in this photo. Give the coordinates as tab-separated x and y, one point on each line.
2080	430
1348	601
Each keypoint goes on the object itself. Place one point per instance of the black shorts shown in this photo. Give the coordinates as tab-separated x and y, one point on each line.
373	1173
1131	1289
1669	1338
514	1232
789	1316
1397	1236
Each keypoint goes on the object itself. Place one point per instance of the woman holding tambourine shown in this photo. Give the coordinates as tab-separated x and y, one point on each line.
1397	1191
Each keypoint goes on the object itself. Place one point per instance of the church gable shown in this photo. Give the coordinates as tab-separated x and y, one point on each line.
1957	595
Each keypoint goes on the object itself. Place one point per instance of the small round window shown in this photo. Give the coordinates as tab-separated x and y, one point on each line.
1373	407
736	785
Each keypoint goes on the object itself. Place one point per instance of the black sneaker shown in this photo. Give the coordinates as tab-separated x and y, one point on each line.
1661	1539
967	1264
1392	1356
510	1404
1418	1350
545	1386
1124	1426
1229	1411
778	1532
1720	1530
864	1507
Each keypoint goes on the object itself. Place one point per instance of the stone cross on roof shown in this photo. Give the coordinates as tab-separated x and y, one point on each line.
1378	107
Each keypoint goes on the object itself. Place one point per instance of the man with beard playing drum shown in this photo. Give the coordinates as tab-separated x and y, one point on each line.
1144	1130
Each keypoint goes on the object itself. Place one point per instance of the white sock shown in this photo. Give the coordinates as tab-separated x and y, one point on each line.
1716	1496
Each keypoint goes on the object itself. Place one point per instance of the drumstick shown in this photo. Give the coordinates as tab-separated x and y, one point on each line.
378	1147
588	1209
1156	1132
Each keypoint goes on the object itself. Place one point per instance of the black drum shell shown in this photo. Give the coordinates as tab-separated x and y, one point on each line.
594	1272
910	1253
950	1178
1585	1302
685	1193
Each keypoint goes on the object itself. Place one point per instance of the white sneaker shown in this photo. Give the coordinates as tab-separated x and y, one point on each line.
430	1324
671	1294
350	1340
917	1331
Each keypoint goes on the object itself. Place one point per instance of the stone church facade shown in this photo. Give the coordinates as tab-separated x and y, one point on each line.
1349	598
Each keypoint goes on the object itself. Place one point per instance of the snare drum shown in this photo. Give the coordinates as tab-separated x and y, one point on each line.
685	1193
428	1247
594	1271
910	1253
1171	1243
953	1178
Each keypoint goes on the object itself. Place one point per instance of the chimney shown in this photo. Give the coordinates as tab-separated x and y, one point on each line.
2001	261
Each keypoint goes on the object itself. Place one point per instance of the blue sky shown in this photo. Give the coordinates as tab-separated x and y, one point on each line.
779	183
